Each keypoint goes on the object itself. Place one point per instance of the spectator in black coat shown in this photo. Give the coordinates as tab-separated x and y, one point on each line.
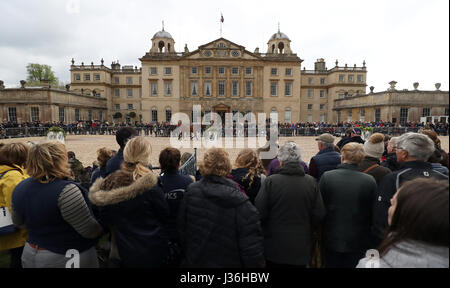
348	196
174	185
345	139
291	208
355	137
327	159
413	151
219	227
249	173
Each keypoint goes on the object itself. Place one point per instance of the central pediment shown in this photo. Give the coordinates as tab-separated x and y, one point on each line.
221	48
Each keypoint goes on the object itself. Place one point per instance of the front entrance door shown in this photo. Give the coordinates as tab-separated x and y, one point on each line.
222	110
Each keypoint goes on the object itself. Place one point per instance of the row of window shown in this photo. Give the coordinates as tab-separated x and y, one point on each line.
287	72
311	81
311	94
167	88
87	77
34	113
351	78
12	114
130	107
274	89
116	80
426	112
221	88
220	70
129	93
311	107
155	115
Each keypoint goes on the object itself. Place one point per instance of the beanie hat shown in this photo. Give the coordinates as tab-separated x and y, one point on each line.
375	146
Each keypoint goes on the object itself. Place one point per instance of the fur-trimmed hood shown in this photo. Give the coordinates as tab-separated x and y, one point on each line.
120	188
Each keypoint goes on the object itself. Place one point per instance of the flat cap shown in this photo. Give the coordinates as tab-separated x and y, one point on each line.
326	138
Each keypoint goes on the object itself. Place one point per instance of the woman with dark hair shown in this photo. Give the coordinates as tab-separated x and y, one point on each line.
103	156
418	234
174	184
219	227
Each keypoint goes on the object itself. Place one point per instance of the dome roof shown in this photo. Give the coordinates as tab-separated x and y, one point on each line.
163	34
279	35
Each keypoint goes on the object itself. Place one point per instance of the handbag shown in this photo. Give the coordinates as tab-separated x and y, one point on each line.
6	224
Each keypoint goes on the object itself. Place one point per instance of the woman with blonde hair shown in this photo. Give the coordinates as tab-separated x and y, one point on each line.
131	203
249	173
348	195
55	211
13	157
219	227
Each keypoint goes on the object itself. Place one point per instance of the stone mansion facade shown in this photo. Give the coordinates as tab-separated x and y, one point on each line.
222	77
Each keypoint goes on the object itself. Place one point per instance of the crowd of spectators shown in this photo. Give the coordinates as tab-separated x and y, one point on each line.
166	129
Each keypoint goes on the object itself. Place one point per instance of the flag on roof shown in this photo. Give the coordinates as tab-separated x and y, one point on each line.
222	19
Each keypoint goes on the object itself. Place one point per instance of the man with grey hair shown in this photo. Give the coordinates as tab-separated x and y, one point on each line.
291	208
413	151
391	157
327	159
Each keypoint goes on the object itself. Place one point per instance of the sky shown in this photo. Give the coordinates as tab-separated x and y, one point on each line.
402	40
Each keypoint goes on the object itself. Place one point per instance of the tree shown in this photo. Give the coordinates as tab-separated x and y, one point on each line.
38	72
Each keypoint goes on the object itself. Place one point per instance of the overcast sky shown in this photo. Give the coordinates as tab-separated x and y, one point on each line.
402	40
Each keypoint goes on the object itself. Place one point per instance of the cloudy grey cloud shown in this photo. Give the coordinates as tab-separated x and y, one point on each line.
402	40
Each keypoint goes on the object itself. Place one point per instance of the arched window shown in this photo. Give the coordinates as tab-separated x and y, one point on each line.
281	47
273	48
168	47
161	46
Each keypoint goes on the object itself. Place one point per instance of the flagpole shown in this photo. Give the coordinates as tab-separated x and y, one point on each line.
221	23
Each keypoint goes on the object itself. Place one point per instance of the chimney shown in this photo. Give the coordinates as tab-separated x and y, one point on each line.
320	65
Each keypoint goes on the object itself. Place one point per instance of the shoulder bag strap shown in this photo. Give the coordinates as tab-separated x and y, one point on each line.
370	168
